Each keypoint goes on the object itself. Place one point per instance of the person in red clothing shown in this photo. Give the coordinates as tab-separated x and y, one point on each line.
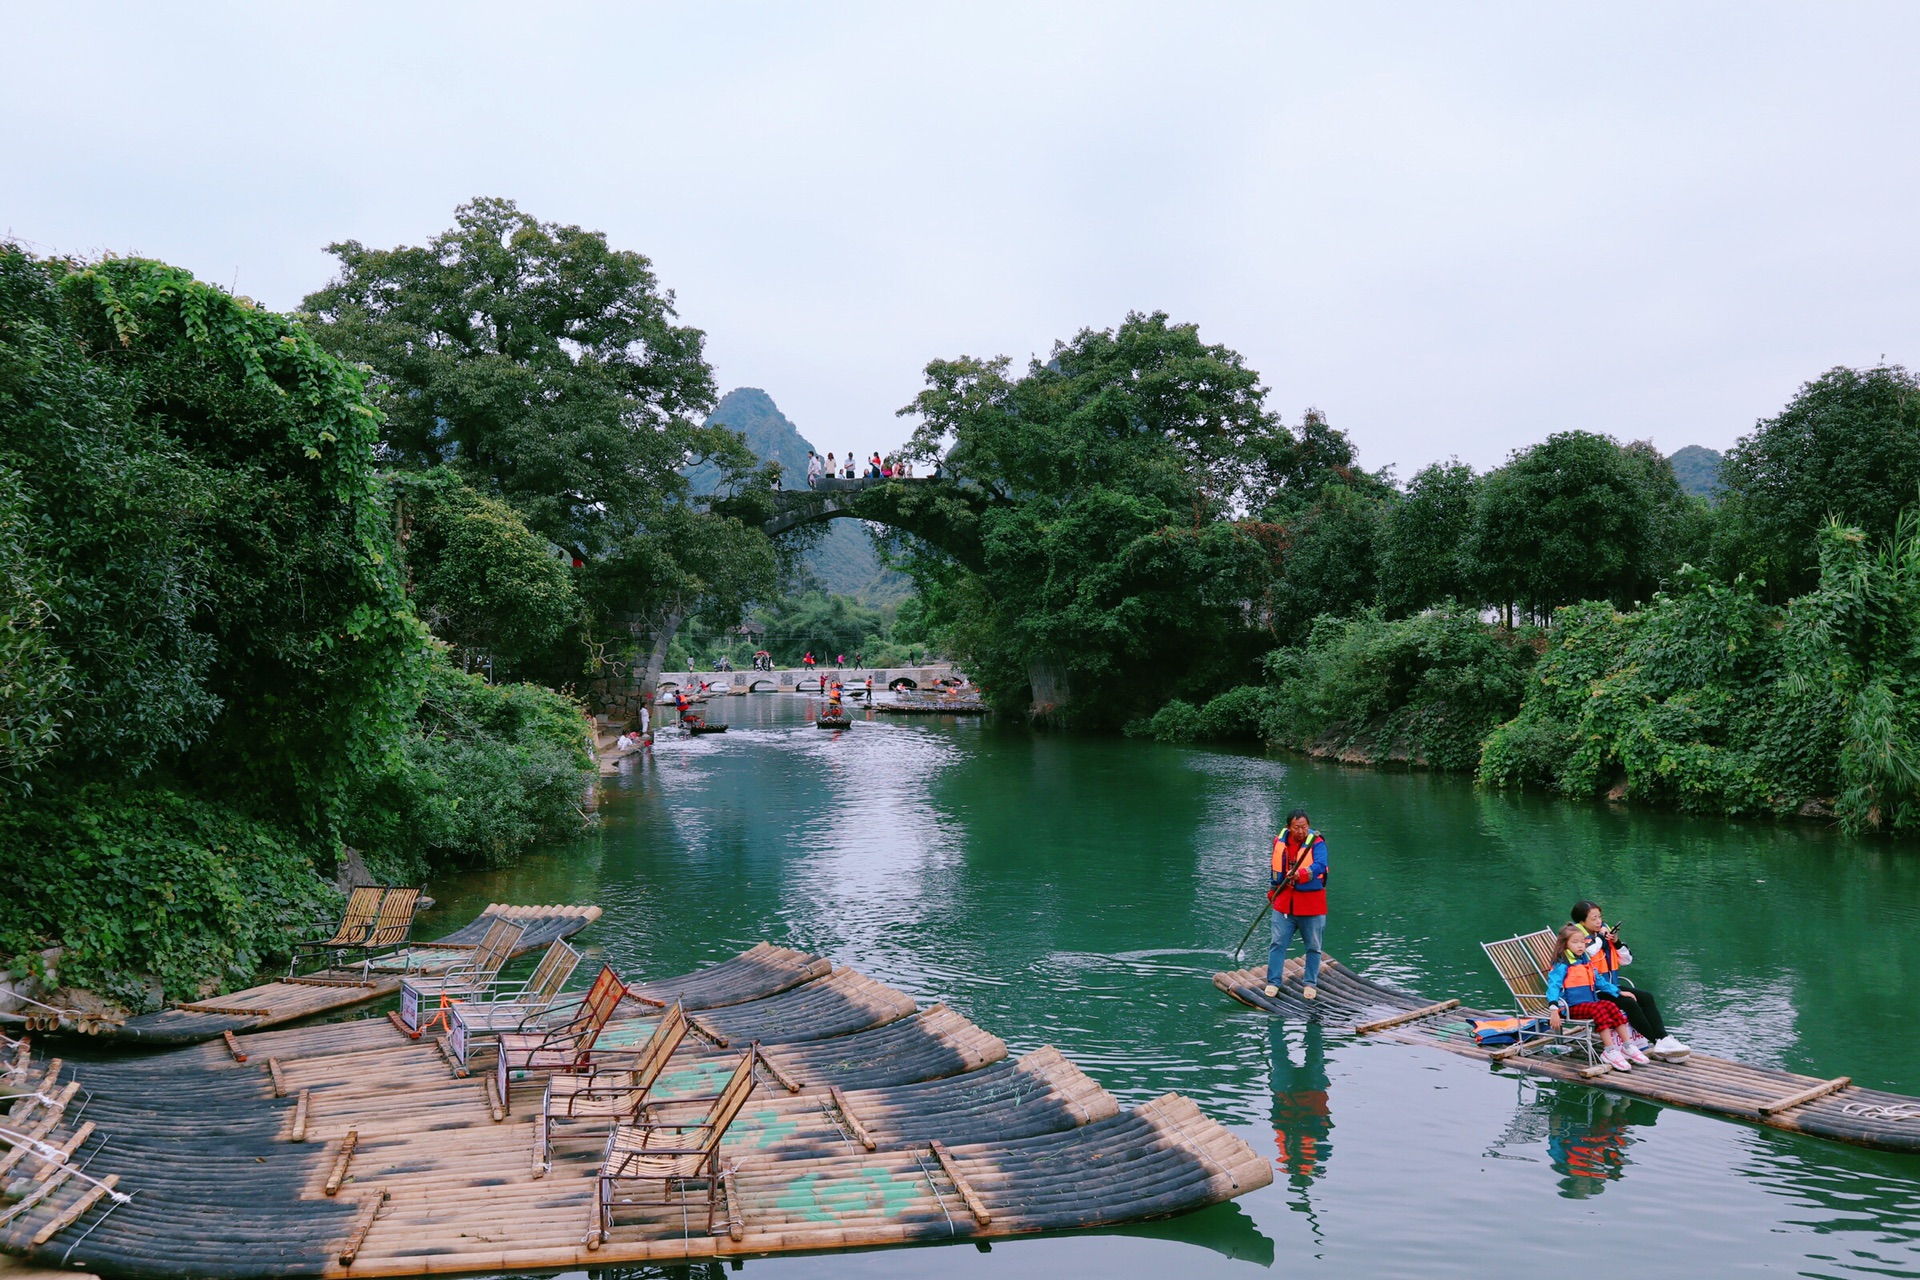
1297	888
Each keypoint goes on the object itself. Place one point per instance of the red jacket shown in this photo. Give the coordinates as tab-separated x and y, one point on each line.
1287	891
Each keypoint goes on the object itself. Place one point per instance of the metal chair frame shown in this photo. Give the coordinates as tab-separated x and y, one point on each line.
511	1006
678	1165
1523	963
611	1092
462	981
569	1046
357	919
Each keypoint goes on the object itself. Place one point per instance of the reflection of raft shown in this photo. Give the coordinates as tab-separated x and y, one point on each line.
1781	1099
934	707
873	1123
273	1003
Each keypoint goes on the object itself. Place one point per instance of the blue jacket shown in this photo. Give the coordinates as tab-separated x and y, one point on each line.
1571	982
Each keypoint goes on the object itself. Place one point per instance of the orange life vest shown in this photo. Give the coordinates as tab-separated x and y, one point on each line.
1287	893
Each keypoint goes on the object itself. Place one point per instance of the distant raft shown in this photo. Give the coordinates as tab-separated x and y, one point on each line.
834	722
933	707
349	1150
273	1003
1764	1095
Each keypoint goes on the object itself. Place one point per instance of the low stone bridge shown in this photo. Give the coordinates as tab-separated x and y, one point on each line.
799	680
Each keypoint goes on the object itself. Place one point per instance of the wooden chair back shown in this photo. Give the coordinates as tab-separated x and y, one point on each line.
732	1099
395	921
596	1009
496	948
551	974
356	922
1523	963
666	1037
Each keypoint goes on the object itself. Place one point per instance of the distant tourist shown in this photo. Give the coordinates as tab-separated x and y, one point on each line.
833	468
815	468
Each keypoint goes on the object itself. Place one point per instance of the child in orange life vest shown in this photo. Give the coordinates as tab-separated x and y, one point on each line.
1573	990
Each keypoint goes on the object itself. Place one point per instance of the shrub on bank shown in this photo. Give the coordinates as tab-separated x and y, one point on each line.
149	881
487	772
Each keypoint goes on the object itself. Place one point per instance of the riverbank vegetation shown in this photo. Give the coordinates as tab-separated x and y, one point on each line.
1184	563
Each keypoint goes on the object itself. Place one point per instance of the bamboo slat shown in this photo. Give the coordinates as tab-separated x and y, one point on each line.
71	1214
974	1204
1792	1100
1411	1015
369	1210
66	1149
341	1161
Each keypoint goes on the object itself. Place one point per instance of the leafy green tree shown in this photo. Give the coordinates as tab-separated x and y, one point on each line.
199	479
1847	446
479	577
1424	539
1110	553
1575	517
546	369
1330	565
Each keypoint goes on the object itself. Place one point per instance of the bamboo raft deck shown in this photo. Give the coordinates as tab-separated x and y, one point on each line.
956	708
1769	1096
273	1003
349	1150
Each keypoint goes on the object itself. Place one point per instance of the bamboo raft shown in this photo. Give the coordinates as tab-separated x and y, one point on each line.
958	708
272	1003
348	1150
1769	1096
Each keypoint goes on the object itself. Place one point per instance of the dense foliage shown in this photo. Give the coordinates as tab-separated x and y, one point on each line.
1846	446
212	673
545	368
1117	556
483	581
1713	700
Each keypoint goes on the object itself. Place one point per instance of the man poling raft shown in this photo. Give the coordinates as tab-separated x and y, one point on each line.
1297	892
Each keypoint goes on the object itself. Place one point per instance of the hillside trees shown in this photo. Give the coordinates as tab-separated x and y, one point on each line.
1112	471
210	661
546	369
1848	446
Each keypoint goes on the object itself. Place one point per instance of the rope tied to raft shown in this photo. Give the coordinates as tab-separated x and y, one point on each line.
1894	1113
939	1198
115	1200
52	1154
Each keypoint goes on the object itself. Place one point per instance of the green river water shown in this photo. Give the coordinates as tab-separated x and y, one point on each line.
1081	892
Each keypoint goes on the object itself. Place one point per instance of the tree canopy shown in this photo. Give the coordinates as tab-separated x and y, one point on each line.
546	369
1847	446
1119	547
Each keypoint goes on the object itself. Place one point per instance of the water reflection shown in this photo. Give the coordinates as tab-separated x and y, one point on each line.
1302	1116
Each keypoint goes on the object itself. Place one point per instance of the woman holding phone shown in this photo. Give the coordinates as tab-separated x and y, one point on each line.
1607	955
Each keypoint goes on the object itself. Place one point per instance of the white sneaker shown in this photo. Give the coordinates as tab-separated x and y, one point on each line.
1271	991
1638	1058
1310	992
1617	1060
1639	1041
1670	1050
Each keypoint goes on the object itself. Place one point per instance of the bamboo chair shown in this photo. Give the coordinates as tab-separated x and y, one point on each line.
511	1006
690	1151
1523	963
470	978
613	1093
356	924
392	930
567	1047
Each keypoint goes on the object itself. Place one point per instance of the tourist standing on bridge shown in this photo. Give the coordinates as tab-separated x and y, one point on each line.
1297	890
833	468
814	468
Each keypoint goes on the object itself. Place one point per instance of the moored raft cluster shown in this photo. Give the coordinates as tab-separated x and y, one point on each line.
351	1149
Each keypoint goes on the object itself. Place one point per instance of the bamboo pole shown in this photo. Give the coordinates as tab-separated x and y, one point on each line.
1820	1090
72	1213
233	1046
301	1111
368	1212
1411	1015
66	1149
967	1194
853	1121
340	1162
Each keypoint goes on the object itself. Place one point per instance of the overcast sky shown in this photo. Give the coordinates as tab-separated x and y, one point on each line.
1452	228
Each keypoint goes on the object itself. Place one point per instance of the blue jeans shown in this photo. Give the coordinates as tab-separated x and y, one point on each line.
1312	930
